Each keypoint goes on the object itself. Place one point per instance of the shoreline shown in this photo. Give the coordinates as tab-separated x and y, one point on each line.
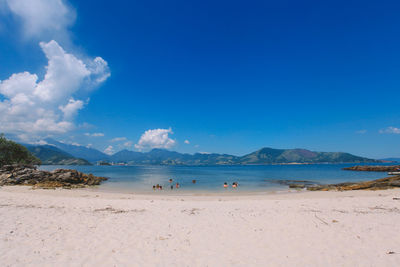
165	194
76	192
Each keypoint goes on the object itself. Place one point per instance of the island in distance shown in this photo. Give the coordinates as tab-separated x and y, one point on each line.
64	154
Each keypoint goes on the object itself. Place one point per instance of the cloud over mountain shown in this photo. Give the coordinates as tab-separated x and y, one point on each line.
156	138
109	150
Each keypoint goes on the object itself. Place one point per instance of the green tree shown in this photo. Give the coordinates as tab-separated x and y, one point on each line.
13	153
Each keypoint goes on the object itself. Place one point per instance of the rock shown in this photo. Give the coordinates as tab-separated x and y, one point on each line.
373	168
29	175
379	184
295	184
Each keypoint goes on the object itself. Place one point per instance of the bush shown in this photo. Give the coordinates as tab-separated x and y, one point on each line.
13	153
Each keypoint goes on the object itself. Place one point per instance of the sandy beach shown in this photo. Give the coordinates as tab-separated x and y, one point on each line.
88	228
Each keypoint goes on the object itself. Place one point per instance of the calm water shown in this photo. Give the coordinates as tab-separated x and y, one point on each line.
211	178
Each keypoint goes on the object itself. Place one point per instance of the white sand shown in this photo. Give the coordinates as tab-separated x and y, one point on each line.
82	227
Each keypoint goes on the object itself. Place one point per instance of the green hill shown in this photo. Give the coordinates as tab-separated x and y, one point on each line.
51	155
13	153
259	157
282	156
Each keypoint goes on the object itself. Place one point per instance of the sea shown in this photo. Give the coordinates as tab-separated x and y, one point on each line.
210	179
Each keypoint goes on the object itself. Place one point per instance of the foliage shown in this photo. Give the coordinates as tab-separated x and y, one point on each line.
13	153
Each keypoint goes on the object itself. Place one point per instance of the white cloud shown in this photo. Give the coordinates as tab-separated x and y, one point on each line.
187	142
94	134
99	69
47	106
43	18
390	130
109	150
118	139
156	138
65	73
71	108
361	131
128	144
42	142
86	126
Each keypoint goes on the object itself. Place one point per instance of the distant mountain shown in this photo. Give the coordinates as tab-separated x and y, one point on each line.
271	156
66	153
259	157
166	157
77	151
154	157
51	155
392	159
125	155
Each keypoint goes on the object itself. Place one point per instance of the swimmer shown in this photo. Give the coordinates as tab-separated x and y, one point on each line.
234	185
194	181
170	180
177	185
225	185
154	187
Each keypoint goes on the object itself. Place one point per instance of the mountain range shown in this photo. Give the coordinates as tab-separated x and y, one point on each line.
51	155
259	157
78	151
391	159
55	152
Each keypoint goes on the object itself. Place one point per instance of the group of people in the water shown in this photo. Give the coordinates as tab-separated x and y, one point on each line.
171	185
177	185
234	185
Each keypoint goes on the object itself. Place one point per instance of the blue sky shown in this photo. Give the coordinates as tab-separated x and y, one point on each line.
227	76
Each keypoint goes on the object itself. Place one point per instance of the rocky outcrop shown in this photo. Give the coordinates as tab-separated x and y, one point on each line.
379	184
30	175
294	184
373	168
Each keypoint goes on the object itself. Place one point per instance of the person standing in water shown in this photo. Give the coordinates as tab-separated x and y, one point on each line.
177	185
225	185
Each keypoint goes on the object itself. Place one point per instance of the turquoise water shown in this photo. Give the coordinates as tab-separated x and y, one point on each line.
211	178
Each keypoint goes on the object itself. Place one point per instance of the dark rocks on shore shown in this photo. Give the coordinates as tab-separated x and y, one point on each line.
294	184
379	184
373	168
30	175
